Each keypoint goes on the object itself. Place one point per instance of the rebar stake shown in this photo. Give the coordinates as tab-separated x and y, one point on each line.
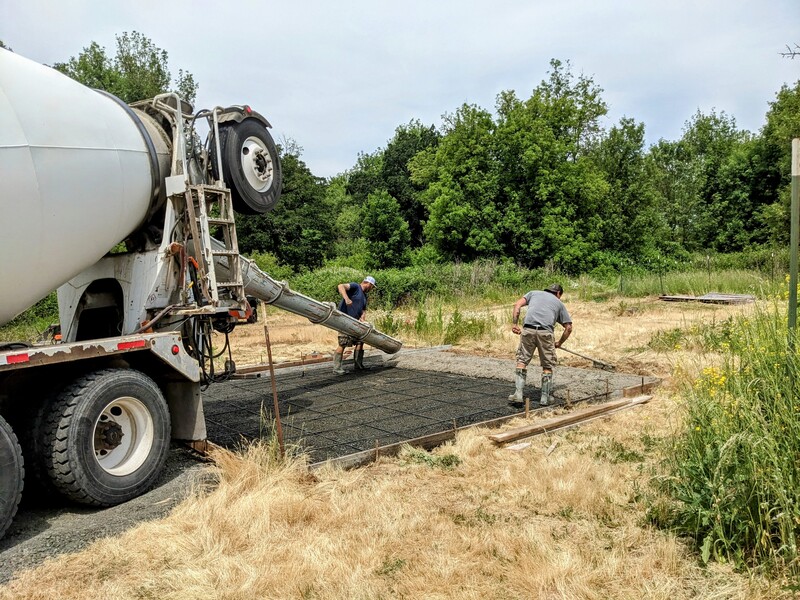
527	408
275	406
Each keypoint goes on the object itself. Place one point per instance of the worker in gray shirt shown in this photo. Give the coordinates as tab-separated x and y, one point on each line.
545	309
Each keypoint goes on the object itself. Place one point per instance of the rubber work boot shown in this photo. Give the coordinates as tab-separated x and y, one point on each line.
519	381
337	364
547	389
358	360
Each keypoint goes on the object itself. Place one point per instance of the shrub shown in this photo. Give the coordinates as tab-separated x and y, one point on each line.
321	284
268	262
734	473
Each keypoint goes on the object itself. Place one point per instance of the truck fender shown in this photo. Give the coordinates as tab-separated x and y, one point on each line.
240	113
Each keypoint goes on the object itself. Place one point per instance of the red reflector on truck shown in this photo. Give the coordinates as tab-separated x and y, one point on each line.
131	345
18	358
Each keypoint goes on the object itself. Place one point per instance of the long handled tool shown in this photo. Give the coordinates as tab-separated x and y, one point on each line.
596	363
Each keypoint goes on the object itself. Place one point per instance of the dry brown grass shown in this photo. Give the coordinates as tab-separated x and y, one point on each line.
501	524
556	520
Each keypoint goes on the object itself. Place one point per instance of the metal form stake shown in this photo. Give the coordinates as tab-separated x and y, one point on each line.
275	406
795	237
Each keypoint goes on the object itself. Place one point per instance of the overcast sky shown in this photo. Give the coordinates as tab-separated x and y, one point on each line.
339	77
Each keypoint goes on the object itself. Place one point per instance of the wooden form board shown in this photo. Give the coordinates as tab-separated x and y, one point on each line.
566	420
711	298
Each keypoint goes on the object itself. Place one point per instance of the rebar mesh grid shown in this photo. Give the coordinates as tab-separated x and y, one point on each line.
331	416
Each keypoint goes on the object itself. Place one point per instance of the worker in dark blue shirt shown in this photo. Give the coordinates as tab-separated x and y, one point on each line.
354	304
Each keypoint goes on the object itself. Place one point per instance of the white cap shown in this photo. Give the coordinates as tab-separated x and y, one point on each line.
370	279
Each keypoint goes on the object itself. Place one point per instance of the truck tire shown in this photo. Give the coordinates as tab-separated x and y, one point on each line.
250	165
12	475
38	488
106	436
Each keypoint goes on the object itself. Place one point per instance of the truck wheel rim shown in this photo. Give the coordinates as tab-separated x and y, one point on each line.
257	164
123	436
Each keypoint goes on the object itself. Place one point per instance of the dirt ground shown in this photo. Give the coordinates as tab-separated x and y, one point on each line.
616	333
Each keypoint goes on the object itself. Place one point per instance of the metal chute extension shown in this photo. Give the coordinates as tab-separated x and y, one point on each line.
257	283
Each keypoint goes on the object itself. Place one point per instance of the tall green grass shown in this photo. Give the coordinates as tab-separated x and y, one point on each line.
697	283
491	282
33	323
498	281
734	468
431	327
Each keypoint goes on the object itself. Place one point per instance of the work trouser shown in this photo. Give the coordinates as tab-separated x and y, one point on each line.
537	340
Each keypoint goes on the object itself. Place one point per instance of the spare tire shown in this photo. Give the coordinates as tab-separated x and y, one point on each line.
250	166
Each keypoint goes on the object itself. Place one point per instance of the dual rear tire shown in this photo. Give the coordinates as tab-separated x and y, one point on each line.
12	475
104	439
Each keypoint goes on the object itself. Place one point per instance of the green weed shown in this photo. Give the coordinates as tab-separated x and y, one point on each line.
417	456
460	327
616	452
390	566
733	472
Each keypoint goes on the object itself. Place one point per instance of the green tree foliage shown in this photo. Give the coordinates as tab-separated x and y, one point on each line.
139	70
709	141
408	141
553	187
734	208
461	179
3	45
525	186
631	224
386	232
366	177
387	170
706	185
677	182
300	230
771	163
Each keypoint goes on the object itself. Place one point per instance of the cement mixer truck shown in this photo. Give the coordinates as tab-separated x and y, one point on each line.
129	214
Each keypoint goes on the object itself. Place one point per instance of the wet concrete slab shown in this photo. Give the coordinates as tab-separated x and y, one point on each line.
331	416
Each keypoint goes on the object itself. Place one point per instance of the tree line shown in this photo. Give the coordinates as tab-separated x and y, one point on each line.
538	181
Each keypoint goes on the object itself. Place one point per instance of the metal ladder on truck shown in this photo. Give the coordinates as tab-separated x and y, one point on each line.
211	206
206	206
